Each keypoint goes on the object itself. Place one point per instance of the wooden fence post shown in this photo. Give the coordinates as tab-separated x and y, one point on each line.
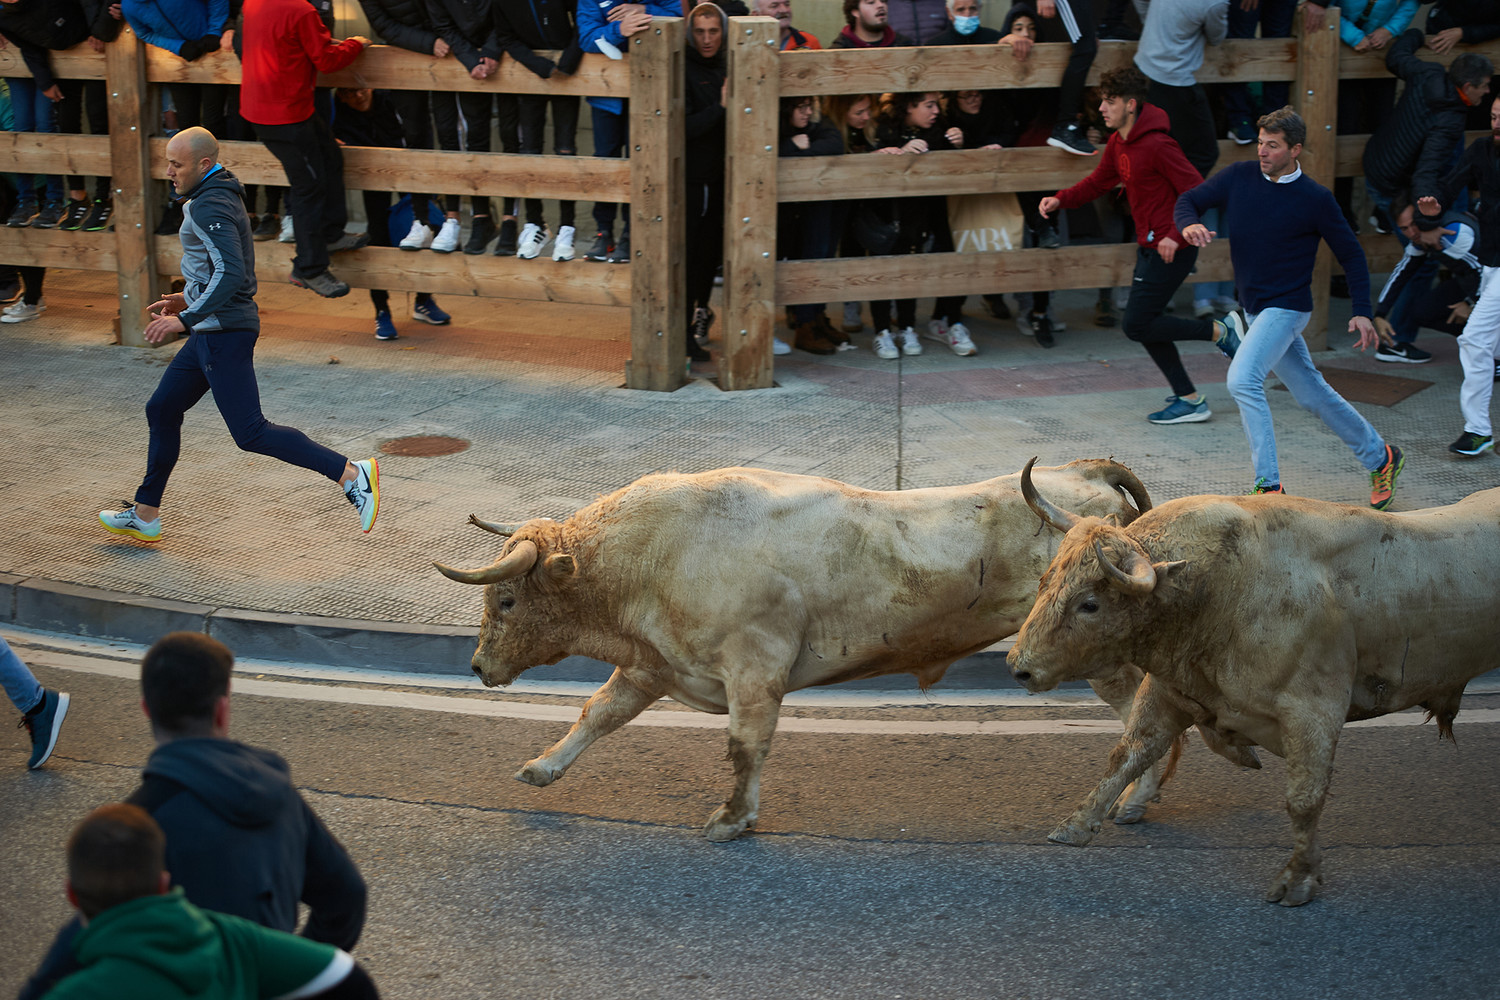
658	315
1316	97
131	114
752	110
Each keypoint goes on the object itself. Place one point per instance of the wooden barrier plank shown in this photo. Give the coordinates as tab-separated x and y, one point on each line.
78	63
1371	65
132	113
41	152
56	248
1315	96
658	348
753	115
371	168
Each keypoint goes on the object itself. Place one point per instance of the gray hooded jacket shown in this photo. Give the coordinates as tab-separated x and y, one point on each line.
218	257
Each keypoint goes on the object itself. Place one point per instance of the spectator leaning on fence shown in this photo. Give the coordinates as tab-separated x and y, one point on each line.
1077	18
852	115
285	46
1274	18
1468	21
703	161
87	96
809	230
866	27
520	29
38	27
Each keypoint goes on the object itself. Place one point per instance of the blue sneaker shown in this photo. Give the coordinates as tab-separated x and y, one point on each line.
44	723
1180	411
385	327
1234	334
427	311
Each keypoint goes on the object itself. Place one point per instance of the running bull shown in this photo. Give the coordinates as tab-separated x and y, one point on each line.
1266	621
724	590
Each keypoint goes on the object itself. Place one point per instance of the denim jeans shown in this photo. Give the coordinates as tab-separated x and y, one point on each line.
1477	348
33	111
20	686
1273	343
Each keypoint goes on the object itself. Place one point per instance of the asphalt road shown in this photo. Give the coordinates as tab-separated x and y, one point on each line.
900	852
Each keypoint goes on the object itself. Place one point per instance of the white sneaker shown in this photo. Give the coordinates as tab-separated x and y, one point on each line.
937	330
419	238
959	341
885	346
533	237
1202	308
363	491
562	247
288	233
910	345
127	522
446	241
20	312
779	346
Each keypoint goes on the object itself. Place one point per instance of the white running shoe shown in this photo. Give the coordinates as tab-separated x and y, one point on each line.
419	238
910	345
20	312
288	232
127	522
779	346
446	241
363	491
959	341
885	346
937	330
532	239
562	247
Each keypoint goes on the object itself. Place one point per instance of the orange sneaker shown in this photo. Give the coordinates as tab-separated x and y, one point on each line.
1383	479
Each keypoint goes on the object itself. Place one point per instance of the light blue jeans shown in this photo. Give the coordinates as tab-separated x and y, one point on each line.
1273	343
20	686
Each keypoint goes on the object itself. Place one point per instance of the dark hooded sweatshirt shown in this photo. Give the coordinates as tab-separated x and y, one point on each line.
703	152
218	257
847	39
39	26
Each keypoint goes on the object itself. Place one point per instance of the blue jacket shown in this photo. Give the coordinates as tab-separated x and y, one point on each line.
1392	15
218	257
168	23
594	26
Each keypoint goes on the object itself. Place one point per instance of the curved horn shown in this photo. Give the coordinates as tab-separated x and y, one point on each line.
516	562
1141	580
1057	517
1121	478
503	530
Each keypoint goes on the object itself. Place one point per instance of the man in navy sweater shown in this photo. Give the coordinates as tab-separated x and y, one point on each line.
1278	215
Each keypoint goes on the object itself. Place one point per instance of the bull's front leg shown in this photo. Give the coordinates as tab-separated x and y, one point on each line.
1118	691
753	712
1155	723
613	705
1309	766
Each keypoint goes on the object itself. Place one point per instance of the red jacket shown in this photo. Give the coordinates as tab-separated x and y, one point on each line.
1153	171
285	45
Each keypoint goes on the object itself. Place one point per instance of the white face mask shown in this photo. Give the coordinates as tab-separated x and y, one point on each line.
966	25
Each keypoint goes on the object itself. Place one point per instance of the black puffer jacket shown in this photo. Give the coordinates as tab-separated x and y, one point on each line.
1413	147
523	26
101	25
401	22
1479	19
37	27
1480	168
467	26
703	152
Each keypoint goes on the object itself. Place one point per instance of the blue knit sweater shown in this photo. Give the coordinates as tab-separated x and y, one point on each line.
1275	229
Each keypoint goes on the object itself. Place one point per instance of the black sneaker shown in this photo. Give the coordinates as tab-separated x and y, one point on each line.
22	216
325	284
44	722
1242	131
1379	221
506	245
603	244
1047	238
10	290
1472	444
703	321
51	214
1041	329
268	228
72	219
480	235
1070	139
99	216
621	252
171	220
1409	354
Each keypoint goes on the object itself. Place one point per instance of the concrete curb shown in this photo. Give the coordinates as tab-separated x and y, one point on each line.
51	606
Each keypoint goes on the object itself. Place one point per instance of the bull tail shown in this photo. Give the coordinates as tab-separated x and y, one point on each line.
1125	481
1173	756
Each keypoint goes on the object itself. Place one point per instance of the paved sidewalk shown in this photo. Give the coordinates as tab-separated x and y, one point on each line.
535	390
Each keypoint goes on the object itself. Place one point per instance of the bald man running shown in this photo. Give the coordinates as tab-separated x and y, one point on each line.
216	310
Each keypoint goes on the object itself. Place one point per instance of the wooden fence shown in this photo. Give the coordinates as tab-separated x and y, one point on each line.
756	286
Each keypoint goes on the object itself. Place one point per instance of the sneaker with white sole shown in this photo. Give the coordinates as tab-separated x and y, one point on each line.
323	283
956	337
288	231
43	723
1471	444
779	346
1405	354
562	247
385	327
885	346
1234	334
420	237
20	312
127	522
1071	139
910	345
1181	411
427	311
446	241
533	238
363	491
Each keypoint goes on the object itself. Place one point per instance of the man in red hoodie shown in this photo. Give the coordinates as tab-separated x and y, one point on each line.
1143	157
866	27
285	46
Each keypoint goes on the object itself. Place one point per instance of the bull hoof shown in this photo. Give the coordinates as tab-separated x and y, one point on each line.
721	830
1072	836
1294	889
1128	812
539	773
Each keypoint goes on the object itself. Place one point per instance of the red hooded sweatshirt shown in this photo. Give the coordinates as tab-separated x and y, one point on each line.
1151	167
285	45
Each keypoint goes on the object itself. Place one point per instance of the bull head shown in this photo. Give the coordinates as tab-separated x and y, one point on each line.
1138	578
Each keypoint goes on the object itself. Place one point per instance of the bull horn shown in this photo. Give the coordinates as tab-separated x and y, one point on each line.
1057	517
1140	581
1121	478
503	530
516	562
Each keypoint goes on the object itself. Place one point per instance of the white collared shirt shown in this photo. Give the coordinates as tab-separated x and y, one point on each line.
1285	178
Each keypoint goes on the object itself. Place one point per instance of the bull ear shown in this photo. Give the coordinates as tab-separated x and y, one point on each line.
1136	577
559	565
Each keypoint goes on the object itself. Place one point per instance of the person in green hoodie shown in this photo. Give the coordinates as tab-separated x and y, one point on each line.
143	939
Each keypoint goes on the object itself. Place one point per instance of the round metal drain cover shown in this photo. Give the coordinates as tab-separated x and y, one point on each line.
424	446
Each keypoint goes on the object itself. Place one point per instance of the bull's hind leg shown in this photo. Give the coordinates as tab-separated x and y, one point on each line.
1118	691
1154	724
613	705
1309	765
753	711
